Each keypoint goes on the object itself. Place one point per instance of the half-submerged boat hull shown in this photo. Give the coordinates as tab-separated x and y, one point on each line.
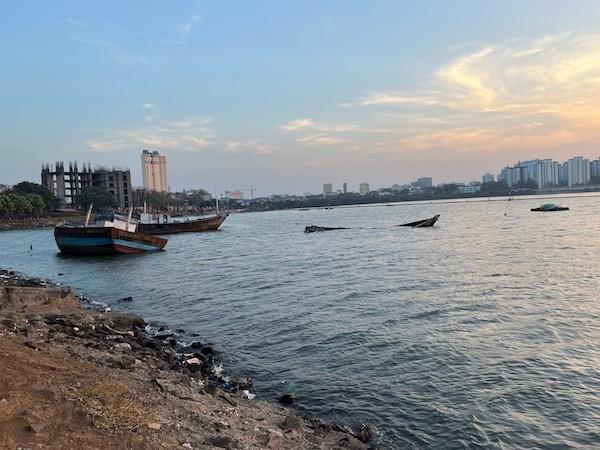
549	207
422	223
104	241
189	226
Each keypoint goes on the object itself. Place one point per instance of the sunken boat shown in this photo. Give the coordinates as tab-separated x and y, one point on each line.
164	224
549	207
422	223
316	229
105	236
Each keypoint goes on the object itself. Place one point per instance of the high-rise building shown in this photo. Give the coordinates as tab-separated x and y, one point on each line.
595	168
68	185
327	188
154	171
364	188
344	188
510	175
578	171
487	178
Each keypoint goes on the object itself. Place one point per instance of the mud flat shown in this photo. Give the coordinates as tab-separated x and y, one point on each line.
75	377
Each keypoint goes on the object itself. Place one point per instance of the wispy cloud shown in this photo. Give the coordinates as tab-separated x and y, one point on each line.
110	48
76	23
191	134
248	146
184	30
529	92
148	106
310	124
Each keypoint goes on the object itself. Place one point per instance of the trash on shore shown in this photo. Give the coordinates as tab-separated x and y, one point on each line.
247	394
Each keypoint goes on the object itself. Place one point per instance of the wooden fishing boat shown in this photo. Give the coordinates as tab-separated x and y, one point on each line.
105	237
163	224
422	223
548	207
92	240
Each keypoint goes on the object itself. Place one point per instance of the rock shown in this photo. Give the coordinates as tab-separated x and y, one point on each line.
220	441
350	443
34	427
154	425
287	399
126	361
186	445
293	422
263	439
193	364
126	299
365	434
122	347
31	345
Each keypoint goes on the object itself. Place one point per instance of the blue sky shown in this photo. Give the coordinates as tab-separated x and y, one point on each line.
286	95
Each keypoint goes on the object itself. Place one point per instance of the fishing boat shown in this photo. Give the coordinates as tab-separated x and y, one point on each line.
422	223
164	224
550	207
105	236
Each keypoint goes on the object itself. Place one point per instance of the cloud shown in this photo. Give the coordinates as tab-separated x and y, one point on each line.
76	23
298	124
148	106
184	30
248	146
111	49
321	139
192	134
516	92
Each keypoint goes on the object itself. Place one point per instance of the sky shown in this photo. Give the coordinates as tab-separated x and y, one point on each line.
284	96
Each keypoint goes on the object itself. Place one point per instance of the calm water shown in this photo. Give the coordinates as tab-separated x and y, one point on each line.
483	332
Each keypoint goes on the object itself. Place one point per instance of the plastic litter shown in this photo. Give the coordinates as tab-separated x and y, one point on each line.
247	394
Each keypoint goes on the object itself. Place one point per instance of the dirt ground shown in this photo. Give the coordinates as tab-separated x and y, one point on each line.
72	378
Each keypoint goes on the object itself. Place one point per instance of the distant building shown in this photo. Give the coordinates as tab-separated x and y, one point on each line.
327	188
154	171
68	184
578	171
595	168
364	188
487	178
234	195
470	189
344	188
117	182
510	175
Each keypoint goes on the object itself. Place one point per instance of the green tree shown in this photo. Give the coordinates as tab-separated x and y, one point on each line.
27	187
98	196
37	203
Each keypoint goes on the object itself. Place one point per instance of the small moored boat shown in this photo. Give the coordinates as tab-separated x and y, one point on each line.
550	207
163	224
422	223
105	237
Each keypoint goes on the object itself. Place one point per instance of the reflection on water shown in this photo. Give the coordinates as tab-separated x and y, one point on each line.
482	331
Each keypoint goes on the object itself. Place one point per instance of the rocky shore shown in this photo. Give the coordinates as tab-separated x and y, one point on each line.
75	377
26	223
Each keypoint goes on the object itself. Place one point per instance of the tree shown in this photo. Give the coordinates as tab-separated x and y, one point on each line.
26	187
98	196
495	187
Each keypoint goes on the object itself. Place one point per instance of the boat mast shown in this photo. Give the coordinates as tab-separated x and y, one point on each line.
89	213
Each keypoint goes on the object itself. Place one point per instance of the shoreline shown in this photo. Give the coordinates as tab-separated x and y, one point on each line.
32	223
79	377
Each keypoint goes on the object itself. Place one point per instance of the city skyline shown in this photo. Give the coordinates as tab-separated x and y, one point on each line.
348	93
